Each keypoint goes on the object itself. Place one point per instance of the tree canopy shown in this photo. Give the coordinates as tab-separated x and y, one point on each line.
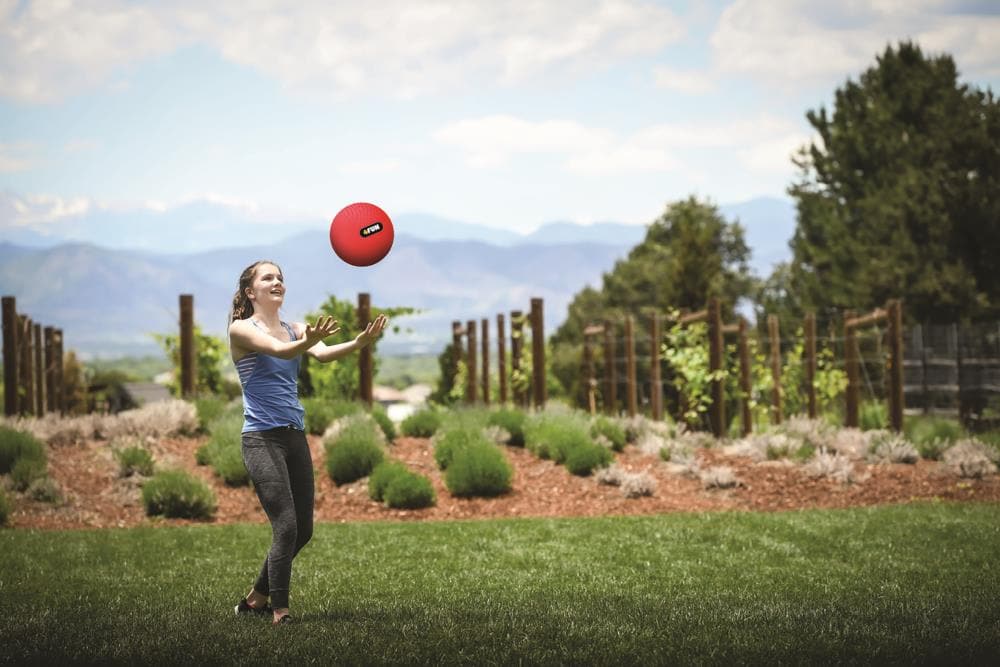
898	196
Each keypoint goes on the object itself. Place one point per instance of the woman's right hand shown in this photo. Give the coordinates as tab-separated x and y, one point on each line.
323	327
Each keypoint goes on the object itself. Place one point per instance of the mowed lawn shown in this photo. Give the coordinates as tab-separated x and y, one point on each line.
914	583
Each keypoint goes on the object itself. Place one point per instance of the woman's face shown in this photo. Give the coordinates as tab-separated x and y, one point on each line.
267	286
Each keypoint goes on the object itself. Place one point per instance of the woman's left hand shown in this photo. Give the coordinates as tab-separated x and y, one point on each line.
372	331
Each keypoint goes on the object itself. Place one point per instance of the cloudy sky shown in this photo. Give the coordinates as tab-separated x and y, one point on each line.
509	114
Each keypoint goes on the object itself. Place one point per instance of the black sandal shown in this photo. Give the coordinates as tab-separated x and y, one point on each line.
287	618
244	608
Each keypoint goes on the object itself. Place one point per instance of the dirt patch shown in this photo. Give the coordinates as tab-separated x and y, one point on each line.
94	496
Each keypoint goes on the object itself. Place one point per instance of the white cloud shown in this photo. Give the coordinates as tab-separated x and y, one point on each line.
39	210
374	166
785	43
54	49
761	143
17	157
689	82
399	48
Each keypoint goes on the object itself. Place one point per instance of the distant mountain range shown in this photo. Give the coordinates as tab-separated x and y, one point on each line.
111	281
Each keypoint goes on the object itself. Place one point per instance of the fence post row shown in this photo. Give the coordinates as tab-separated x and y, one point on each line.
502	358
32	364
630	368
516	342
775	335
538	352
470	361
485	333
588	364
187	345
365	359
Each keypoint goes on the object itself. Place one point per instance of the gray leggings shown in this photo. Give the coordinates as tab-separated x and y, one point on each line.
280	467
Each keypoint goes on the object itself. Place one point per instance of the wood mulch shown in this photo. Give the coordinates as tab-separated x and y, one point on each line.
94	496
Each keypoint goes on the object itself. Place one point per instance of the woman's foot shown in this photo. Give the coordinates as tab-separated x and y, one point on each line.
253	603
281	616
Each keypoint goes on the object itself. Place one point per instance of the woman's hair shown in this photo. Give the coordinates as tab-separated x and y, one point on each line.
242	308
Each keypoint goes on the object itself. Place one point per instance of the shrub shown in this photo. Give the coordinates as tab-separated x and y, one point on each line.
44	489
321	412
354	453
228	464
447	444
635	485
511	420
177	494
27	470
553	436
582	459
932	435
971	458
479	469
384	473
892	448
422	423
611	475
381	417
834	465
208	409
610	430
409	491
15	445
157	419
132	460
719	477
873	416
5	508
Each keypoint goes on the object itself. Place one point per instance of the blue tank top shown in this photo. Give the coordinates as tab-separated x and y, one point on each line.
270	390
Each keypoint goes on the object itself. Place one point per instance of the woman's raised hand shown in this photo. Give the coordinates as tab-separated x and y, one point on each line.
324	326
373	330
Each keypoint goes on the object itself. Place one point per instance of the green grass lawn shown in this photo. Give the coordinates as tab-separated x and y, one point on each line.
917	583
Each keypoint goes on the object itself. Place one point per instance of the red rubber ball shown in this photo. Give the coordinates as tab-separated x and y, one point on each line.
361	234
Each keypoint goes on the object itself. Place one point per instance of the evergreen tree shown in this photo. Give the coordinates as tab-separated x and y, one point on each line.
898	198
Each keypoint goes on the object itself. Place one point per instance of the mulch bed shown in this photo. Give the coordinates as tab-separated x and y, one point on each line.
95	497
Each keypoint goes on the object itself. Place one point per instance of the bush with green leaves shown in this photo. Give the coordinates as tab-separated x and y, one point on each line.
611	430
384	473
450	441
321	412
44	489
133	459
208	409
5	507
584	459
422	423
354	452
224	450
16	445
552	436
932	435
26	471
178	495
381	417
409	491
479	469
511	420
873	416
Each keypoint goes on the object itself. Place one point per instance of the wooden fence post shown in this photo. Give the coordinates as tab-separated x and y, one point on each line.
516	341
365	366
39	371
57	338
187	345
26	390
811	363
50	370
895	310
655	378
10	357
470	362
775	335
588	367
630	368
610	371
744	350
538	352
502	358
484	330
851	363
717	416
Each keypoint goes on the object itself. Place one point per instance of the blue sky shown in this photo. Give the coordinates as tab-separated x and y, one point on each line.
508	114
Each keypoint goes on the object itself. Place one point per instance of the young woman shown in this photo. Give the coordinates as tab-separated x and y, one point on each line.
266	352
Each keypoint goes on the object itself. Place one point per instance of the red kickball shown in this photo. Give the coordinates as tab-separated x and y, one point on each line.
361	234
